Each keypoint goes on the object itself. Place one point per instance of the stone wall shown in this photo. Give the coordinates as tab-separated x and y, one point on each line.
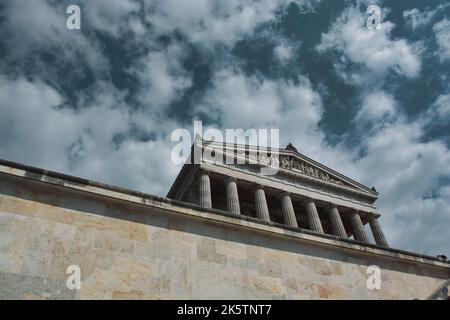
131	250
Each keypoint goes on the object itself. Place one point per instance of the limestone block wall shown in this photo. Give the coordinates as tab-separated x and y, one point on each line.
130	250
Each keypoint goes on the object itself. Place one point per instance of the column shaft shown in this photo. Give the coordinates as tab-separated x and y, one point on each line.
232	196
204	191
262	211
288	211
358	228
378	234
336	222
313	216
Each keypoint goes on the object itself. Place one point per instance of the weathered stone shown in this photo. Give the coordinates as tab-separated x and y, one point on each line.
20	286
332	292
206	250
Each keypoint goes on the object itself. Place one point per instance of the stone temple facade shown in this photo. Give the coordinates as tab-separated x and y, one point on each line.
237	223
298	193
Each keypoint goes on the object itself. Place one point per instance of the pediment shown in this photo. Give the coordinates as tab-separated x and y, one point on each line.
296	165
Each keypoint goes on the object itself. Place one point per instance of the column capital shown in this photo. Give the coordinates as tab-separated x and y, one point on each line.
230	179
203	171
284	193
373	216
255	187
330	206
307	200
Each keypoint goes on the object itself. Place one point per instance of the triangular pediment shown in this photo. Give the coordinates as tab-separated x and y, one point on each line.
288	162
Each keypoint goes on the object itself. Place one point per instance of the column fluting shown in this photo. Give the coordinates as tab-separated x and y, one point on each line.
358	228
377	232
204	190
313	216
288	210
232	196
262	211
336	222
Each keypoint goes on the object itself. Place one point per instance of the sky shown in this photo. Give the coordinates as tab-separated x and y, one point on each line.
101	102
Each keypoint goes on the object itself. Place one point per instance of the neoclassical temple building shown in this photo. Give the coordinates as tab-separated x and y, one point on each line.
238	223
298	193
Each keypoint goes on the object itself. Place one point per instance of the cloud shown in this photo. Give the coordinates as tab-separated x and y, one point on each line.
37	129
406	170
161	76
442	34
442	106
113	17
39	27
208	23
239	101
376	106
373	49
284	51
417	19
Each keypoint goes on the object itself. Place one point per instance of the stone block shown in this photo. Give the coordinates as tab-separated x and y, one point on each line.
206	250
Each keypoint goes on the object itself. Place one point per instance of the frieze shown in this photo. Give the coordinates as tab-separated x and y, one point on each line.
294	164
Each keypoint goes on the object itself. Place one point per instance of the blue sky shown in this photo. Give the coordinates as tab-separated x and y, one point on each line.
101	102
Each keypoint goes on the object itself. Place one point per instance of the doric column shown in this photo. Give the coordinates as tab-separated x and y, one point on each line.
358	228
204	190
313	216
232	196
288	210
336	222
378	234
262	211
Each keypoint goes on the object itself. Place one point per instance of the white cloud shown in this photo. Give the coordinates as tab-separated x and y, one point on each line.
36	26
416	18
420	18
113	16
405	170
239	101
284	51
373	49
376	106
36	129
441	108
442	33
162	78
207	23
